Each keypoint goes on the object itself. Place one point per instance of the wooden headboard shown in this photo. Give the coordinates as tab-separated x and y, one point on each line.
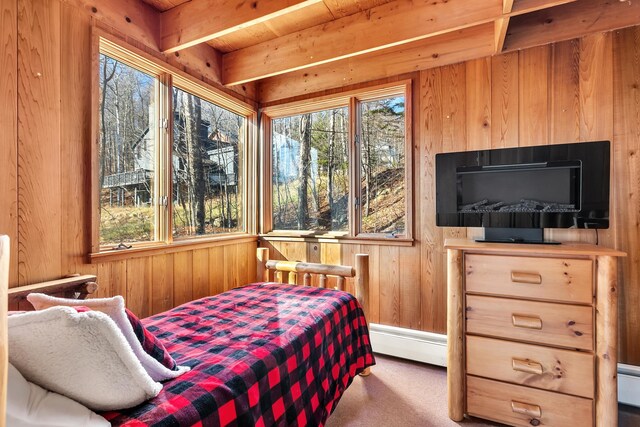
76	286
300	273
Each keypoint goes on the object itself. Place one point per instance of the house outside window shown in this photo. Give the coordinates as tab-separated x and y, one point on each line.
171	152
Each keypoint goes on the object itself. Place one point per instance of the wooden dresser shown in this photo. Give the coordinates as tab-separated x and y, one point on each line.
532	333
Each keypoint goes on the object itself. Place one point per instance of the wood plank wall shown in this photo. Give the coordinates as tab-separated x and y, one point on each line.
45	93
579	90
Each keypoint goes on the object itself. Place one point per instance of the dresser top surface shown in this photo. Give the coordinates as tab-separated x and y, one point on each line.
569	248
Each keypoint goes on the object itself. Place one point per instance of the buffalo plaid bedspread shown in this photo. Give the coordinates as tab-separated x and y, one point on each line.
262	355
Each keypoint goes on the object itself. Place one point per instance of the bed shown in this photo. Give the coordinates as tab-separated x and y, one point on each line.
264	354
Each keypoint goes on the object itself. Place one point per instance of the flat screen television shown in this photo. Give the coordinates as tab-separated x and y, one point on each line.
515	193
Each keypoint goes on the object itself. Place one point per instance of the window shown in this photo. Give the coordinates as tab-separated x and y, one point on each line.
340	166
310	171
208	143
171	157
127	155
382	207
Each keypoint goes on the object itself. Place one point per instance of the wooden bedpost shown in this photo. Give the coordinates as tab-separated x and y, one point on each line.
262	273
362	281
4	350
362	290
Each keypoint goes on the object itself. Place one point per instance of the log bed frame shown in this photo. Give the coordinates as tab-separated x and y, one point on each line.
80	287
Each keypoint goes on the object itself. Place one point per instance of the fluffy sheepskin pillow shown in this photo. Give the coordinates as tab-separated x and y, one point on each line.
29	405
154	358
83	356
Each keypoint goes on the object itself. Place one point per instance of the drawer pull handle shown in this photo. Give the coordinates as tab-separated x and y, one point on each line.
529	278
526	366
525	409
528	322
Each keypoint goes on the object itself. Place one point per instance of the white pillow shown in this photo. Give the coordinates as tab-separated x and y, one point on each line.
29	405
80	355
114	308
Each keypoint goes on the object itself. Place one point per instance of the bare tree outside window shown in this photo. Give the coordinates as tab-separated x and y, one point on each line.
382	166
126	156
207	167
310	171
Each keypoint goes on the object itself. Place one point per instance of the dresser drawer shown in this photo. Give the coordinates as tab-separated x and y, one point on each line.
522	406
559	279
539	322
548	368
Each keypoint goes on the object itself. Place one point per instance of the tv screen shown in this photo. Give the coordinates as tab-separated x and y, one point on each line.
549	186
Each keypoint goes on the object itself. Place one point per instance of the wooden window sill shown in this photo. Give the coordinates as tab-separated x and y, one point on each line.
166	248
328	238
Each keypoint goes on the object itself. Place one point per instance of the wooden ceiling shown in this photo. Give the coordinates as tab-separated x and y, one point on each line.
271	40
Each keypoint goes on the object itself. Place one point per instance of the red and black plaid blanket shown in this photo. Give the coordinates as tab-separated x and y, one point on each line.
262	355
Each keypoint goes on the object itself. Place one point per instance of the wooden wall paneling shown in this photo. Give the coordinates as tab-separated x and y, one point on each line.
454	138
564	117
5	253
243	273
410	314
596	108
162	283
534	97
390	286
200	273
565	92
216	270
478	104
626	53
504	100
313	252
596	87
139	286
136	19
39	205
454	130
9	134
112	280
410	257
230	267
182	277
432	115
478	112
331	253
75	132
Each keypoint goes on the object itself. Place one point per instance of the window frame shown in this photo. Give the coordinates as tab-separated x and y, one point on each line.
351	100
167	77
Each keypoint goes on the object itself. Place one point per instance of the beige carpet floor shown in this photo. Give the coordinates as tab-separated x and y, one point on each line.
400	393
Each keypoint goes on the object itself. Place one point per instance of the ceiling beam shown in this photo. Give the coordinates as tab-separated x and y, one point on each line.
388	25
198	21
569	21
527	6
449	48
500	32
507	5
